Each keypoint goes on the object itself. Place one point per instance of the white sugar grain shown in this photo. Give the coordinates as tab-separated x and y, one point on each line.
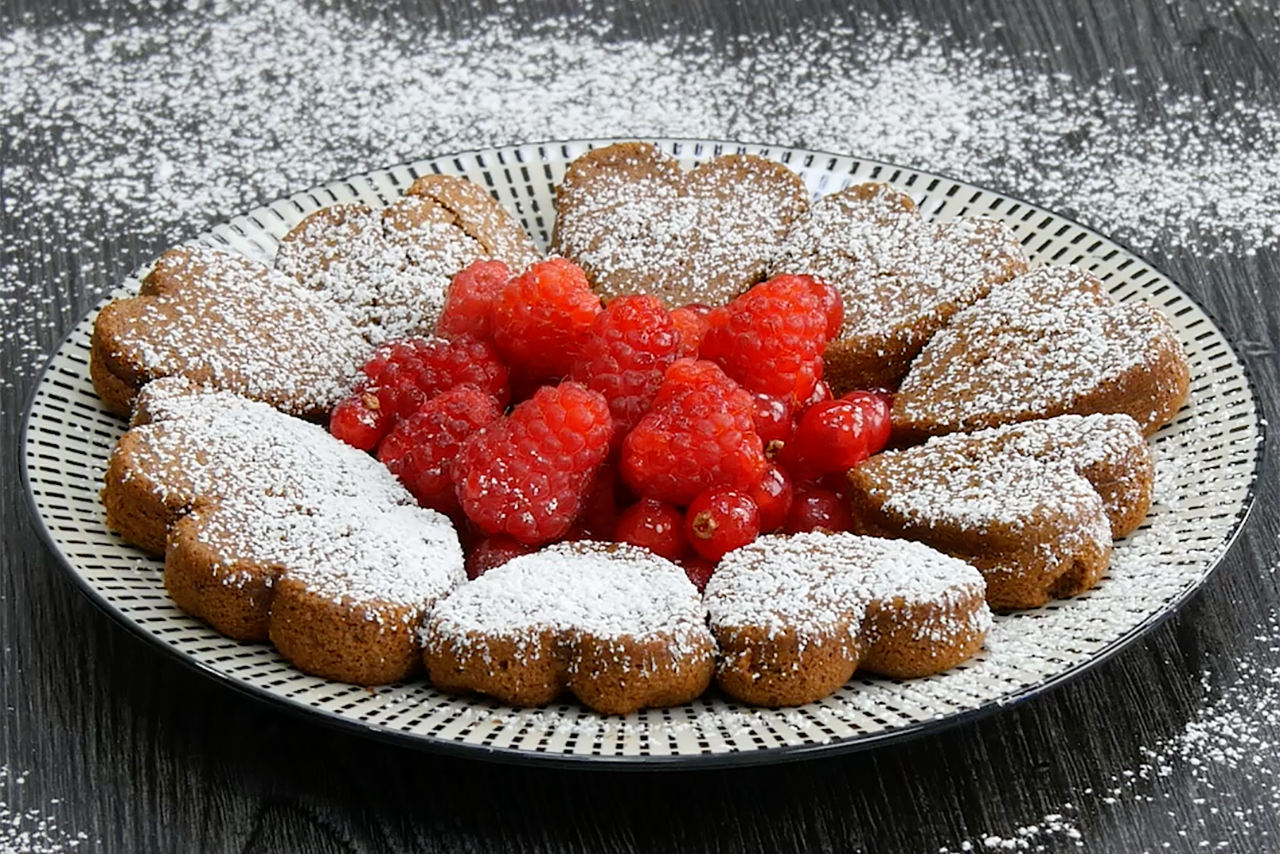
32	830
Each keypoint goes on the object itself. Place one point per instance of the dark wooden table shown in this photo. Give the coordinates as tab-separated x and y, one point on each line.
108	737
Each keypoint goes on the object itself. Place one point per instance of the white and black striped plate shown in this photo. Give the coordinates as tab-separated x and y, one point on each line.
1208	457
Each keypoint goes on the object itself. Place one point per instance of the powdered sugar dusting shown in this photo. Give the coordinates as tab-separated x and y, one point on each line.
816	585
139	156
32	830
231	322
637	225
387	270
607	590
1035	346
893	267
289	494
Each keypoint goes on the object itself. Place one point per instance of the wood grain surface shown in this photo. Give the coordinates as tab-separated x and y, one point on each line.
139	753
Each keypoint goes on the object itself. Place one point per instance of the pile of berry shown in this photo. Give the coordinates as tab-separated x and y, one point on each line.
688	432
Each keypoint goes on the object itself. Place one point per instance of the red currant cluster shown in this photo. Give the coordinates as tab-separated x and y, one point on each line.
688	432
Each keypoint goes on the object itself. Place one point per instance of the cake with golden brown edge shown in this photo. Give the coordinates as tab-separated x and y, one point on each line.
615	625
220	319
1047	343
389	269
637	223
901	276
272	529
1023	503
796	616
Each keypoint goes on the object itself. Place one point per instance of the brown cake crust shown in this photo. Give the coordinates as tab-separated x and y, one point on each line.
797	616
636	223
273	529
901	276
614	625
367	642
1047	343
1024	503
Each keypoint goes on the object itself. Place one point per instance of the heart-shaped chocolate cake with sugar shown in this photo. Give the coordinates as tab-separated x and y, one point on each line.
389	269
222	320
636	223
900	275
796	616
614	624
272	528
1047	343
1034	506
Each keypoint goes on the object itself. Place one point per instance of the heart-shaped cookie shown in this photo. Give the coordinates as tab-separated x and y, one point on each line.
1034	506
615	625
796	616
222	320
389	269
1047	343
271	528
901	276
636	223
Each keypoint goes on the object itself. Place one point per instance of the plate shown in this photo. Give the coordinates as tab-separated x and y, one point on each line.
1208	461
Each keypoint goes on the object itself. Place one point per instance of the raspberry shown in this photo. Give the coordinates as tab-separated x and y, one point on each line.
771	338
419	449
492	552
699	434
360	421
876	407
631	345
542	318
654	525
719	521
407	373
818	510
599	514
468	304
831	437
773	495
832	308
527	474
691	322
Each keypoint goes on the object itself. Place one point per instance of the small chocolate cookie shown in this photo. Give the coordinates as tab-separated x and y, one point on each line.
636	223
389	269
1024	504
1047	343
271	528
222	320
796	616
615	625
901	276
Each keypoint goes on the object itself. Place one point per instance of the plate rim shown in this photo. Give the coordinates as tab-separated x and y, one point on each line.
690	761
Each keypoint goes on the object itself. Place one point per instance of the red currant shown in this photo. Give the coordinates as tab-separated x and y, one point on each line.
654	525
876	406
818	510
719	521
831	437
361	421
773	496
773	417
